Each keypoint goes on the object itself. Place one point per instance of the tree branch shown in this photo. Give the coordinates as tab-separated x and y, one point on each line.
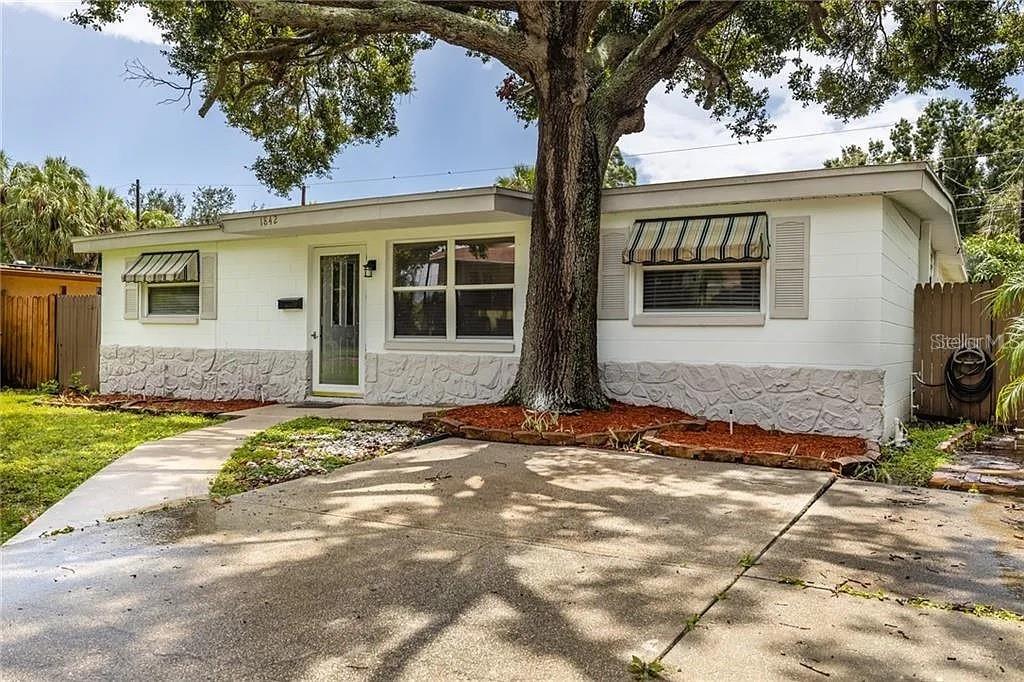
714	75
591	14
401	17
135	70
816	13
656	57
277	52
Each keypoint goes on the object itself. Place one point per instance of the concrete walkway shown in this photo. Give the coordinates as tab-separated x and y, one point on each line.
182	466
469	560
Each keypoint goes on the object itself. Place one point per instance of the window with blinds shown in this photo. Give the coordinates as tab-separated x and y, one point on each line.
704	289
177	299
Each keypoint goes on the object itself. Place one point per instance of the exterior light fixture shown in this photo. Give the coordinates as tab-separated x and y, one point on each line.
369	267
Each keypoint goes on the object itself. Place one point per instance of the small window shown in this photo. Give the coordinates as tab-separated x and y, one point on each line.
172	299
725	289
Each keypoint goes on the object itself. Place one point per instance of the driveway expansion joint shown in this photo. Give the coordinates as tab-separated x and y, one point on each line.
745	566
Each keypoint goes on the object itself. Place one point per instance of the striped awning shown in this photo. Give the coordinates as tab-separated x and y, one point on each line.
698	239
175	266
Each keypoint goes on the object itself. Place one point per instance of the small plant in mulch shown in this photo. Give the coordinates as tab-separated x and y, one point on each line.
539	421
309	446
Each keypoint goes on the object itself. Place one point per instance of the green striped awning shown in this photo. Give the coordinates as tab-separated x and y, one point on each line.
698	239
175	266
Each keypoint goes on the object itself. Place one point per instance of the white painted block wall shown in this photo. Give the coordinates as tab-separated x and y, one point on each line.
901	232
253	273
863	267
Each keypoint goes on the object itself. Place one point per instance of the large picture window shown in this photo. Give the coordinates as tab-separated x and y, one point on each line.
702	289
453	289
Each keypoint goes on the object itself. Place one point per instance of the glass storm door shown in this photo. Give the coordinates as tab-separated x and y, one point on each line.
338	356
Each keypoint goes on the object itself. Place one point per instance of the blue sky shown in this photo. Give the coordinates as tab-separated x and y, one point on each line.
63	94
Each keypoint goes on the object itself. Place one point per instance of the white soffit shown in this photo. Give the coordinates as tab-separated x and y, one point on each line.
459	207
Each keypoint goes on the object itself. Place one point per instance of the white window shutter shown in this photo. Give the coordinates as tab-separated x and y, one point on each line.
208	286
611	277
789	255
131	295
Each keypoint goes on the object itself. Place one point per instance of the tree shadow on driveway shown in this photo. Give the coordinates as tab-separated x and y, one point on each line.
453	560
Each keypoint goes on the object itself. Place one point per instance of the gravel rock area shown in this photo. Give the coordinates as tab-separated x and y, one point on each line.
308	454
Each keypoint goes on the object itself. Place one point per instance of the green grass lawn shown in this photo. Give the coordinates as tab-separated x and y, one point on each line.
45	452
915	463
308	446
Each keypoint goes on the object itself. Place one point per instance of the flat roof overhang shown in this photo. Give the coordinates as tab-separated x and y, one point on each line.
912	185
458	207
155	237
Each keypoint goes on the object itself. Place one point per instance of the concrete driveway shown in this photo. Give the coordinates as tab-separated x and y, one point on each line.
181	467
467	560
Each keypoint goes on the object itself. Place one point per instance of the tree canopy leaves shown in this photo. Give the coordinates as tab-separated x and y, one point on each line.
160	199
309	78
208	203
979	153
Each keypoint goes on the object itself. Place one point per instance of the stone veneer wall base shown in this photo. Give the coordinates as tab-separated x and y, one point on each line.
206	373
798	399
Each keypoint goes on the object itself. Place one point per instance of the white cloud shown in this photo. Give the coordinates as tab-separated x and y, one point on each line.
674	122
135	25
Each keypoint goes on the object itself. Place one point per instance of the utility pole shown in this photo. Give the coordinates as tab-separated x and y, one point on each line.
1020	215
304	196
138	203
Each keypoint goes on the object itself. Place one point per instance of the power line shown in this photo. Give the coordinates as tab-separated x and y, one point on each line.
637	155
976	156
767	139
493	169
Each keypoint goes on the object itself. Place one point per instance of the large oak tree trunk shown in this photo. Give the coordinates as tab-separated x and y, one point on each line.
558	363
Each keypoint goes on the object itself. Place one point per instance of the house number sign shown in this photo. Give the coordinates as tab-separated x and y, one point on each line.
267	220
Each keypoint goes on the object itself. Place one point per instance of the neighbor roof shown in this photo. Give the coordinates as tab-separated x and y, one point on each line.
48	271
911	184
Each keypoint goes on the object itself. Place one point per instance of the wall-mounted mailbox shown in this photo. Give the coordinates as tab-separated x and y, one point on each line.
289	303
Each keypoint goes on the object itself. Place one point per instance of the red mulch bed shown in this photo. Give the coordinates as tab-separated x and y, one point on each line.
620	417
755	439
155	404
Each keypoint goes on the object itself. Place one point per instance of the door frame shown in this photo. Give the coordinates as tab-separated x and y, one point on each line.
313	320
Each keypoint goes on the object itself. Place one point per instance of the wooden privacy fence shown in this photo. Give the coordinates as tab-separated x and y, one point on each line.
43	338
29	341
956	343
78	339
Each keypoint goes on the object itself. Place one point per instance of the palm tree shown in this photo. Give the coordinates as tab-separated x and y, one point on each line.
523	178
6	248
45	207
110	212
1008	302
618	174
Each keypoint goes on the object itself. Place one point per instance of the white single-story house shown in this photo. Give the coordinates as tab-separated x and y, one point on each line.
782	299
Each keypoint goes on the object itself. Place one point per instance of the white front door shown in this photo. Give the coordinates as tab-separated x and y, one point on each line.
336	317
